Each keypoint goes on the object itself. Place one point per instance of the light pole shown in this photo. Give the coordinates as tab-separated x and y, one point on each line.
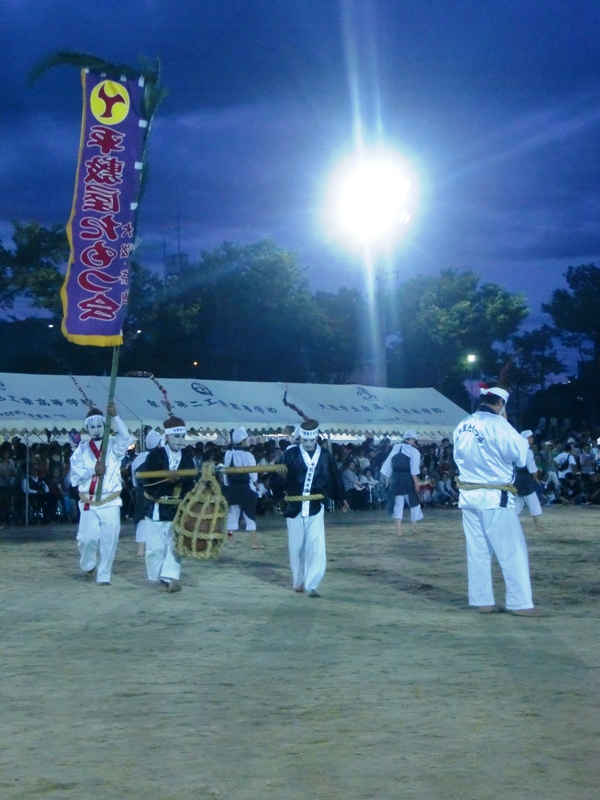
370	197
471	358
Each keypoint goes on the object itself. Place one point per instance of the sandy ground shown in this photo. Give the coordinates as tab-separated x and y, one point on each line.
388	686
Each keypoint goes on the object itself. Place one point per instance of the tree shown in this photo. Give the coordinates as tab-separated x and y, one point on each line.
576	311
535	359
345	313
576	315
439	320
245	313
32	268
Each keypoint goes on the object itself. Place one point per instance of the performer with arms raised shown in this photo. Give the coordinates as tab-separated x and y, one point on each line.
312	477
485	448
100	520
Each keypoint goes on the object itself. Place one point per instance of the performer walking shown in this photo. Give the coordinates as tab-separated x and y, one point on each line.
312	477
100	519
485	448
238	489
525	480
163	564
402	468
152	441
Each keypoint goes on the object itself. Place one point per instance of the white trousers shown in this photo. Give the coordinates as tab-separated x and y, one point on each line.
140	531
496	530
98	535
415	513
233	520
306	543
532	502
162	562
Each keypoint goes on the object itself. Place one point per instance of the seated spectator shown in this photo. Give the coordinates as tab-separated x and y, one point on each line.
38	493
444	493
572	489
425	487
357	495
587	460
8	475
565	462
593	491
377	496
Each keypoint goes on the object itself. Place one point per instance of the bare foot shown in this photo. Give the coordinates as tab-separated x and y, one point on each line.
526	612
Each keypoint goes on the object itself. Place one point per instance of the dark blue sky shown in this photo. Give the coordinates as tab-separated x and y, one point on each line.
497	104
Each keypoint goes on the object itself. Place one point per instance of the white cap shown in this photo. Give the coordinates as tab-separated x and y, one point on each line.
152	440
239	435
410	435
526	434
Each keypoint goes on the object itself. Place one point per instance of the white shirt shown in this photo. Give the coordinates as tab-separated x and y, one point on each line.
565	462
531	465
485	448
240	458
408	450
83	464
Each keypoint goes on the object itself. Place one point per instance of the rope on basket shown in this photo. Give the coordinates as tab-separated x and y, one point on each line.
199	523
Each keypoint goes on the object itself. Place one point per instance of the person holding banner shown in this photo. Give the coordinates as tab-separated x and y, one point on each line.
163	564
100	520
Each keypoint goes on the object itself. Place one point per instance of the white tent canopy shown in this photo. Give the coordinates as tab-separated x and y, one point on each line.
36	403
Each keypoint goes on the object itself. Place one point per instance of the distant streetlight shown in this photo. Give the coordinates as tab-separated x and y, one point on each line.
471	358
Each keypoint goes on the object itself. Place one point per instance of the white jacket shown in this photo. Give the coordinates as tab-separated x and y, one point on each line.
485	448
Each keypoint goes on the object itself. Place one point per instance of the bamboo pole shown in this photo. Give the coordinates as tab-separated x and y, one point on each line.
111	398
191	473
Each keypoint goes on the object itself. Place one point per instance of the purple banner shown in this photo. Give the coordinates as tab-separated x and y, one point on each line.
101	226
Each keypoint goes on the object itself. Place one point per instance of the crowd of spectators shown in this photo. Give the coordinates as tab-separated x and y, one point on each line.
568	474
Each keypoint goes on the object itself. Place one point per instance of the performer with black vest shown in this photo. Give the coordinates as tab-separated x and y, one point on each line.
312	477
163	564
239	491
525	481
402	468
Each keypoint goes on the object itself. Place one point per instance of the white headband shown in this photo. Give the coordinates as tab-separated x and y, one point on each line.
497	391
94	418
175	431
304	434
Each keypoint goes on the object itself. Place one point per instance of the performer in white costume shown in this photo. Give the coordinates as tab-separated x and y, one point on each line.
485	448
313	475
163	564
239	490
401	469
152	441
100	520
525	480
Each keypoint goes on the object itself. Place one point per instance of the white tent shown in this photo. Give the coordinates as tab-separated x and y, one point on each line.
36	403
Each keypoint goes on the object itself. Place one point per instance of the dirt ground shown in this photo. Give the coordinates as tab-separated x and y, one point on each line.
388	686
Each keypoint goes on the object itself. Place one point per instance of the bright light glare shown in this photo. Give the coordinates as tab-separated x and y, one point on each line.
371	197
373	200
471	358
